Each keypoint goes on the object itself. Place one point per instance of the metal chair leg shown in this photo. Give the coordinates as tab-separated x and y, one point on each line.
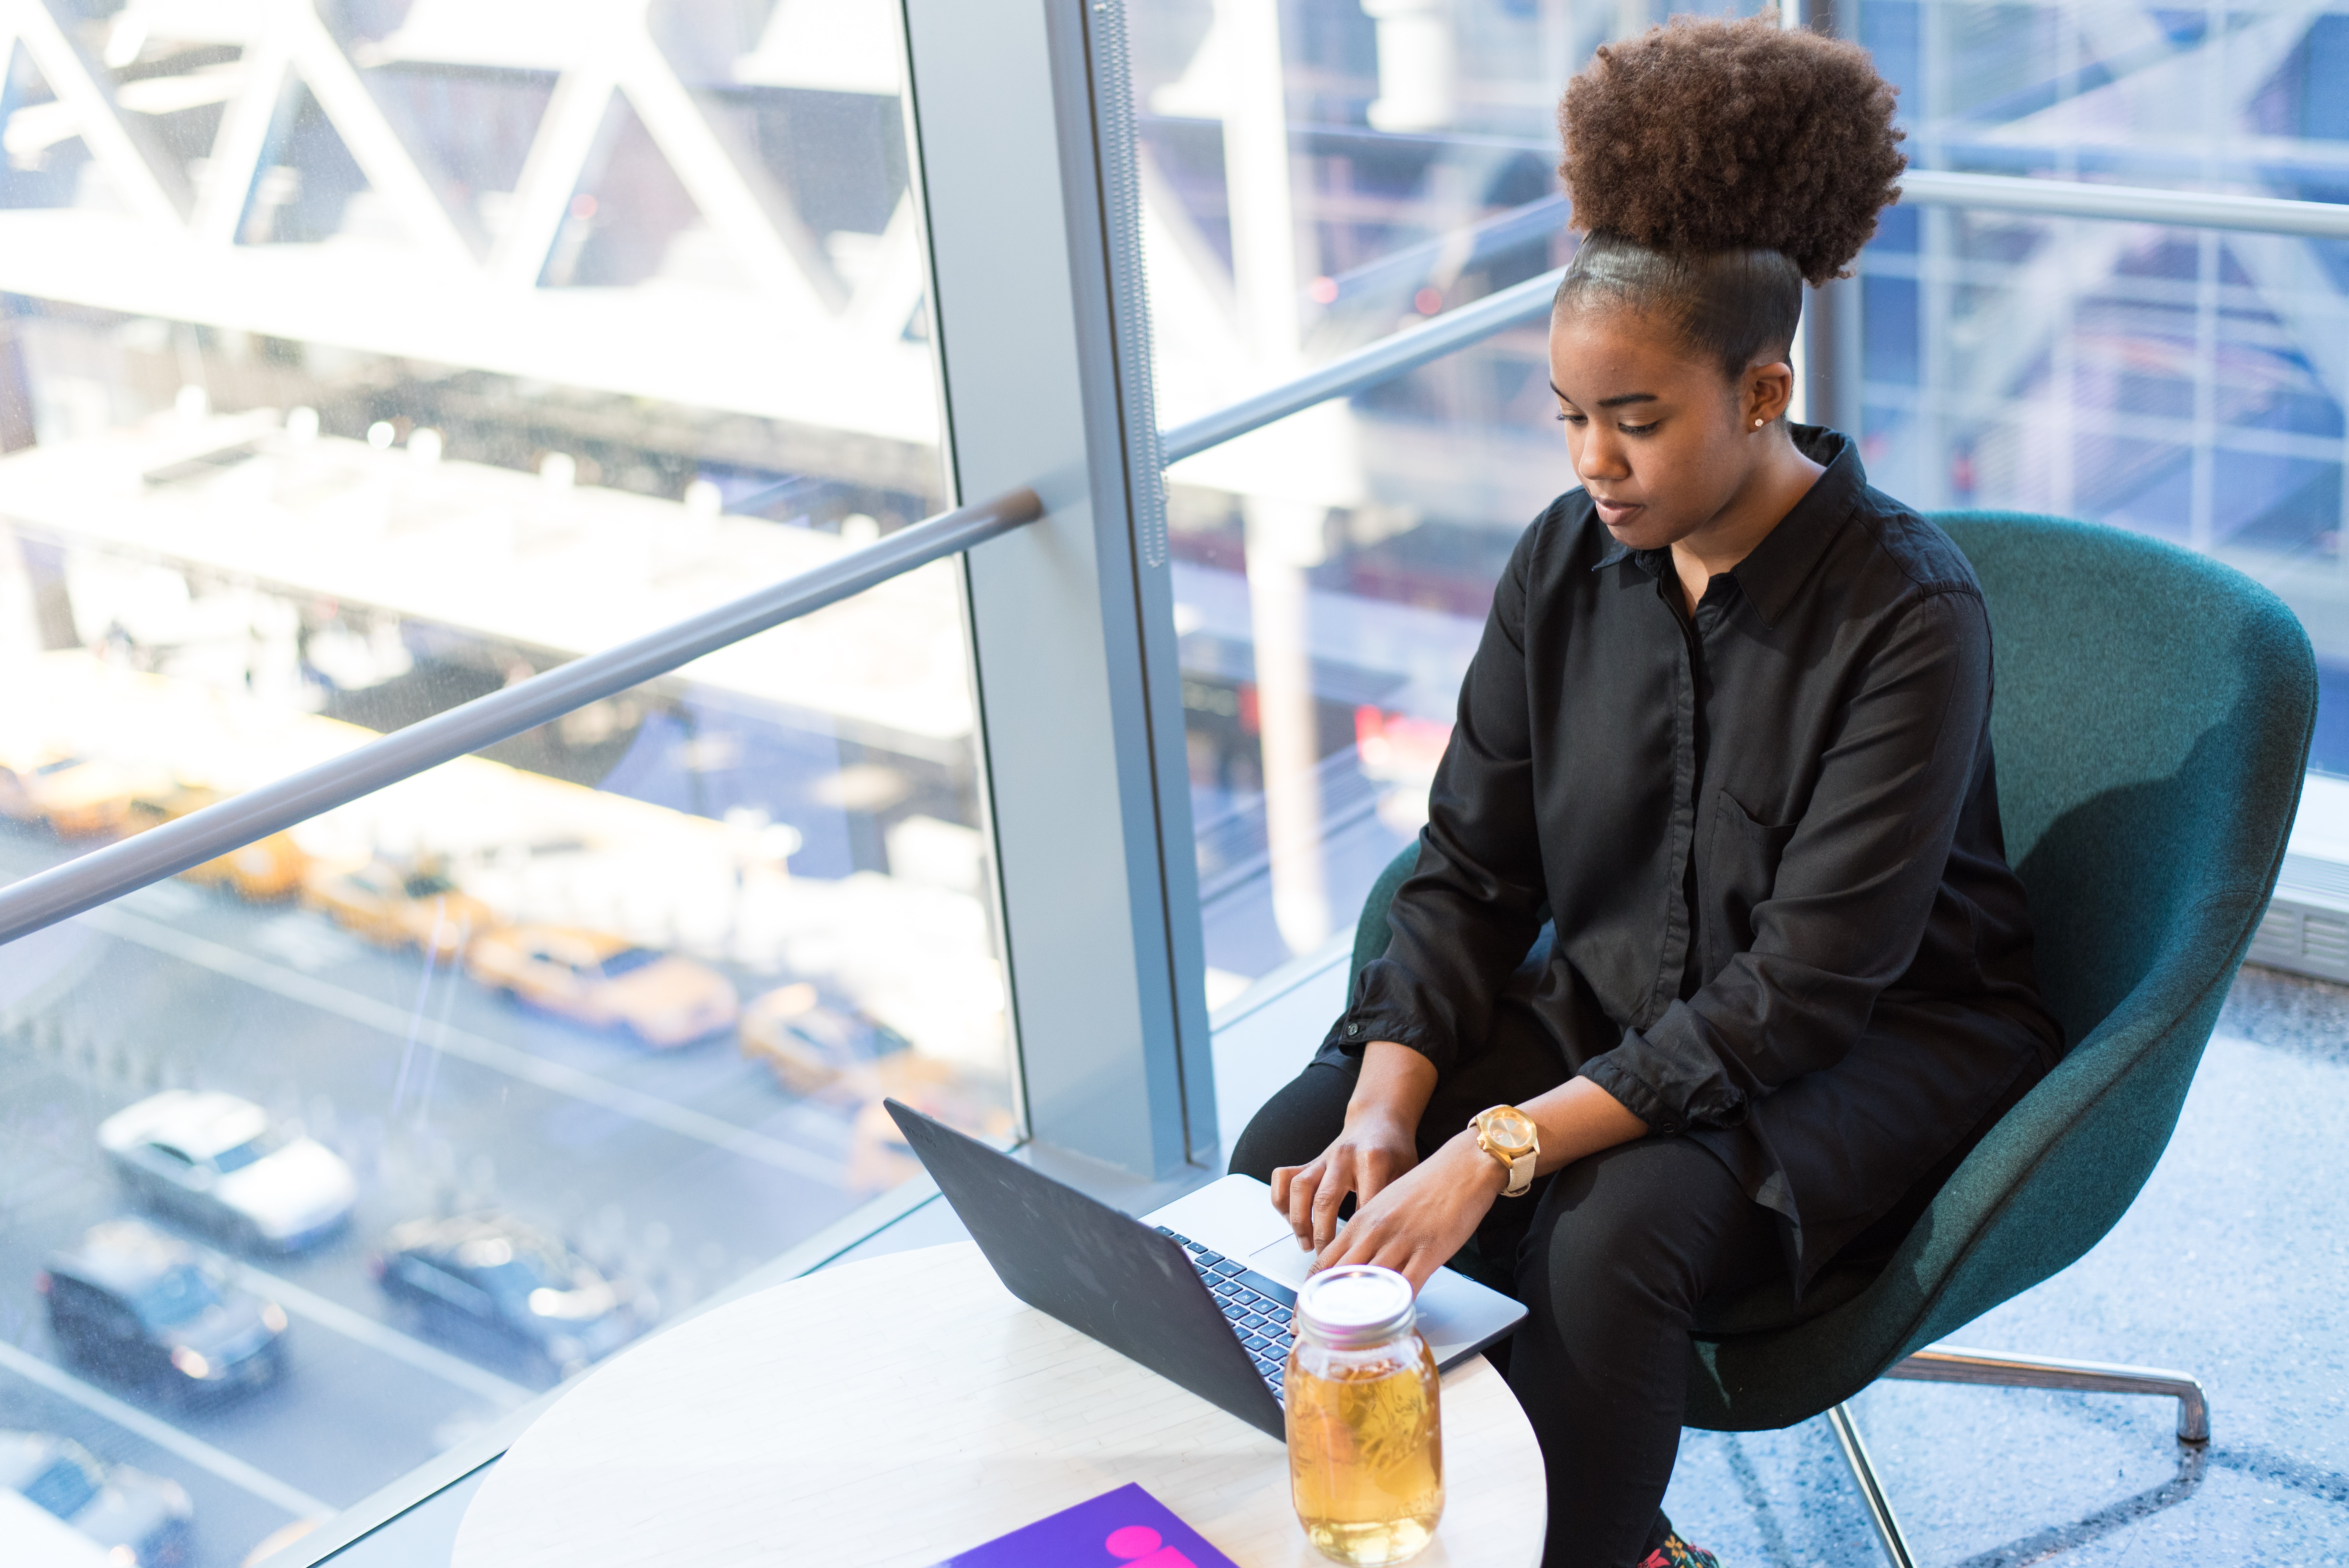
1871	1489
2007	1369
1951	1363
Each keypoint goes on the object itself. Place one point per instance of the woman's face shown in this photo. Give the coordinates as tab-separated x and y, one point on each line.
1661	440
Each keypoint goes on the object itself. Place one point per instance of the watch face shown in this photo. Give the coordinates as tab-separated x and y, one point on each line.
1509	1129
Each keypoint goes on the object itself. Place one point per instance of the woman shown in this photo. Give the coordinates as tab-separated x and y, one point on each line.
1727	739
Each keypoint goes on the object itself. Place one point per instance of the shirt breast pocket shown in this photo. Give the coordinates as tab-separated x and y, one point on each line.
1739	873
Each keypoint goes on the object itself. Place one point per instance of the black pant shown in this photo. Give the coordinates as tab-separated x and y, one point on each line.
1611	1257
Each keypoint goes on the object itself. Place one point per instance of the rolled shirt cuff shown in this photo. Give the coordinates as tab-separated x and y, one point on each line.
1358	1026
1635	1097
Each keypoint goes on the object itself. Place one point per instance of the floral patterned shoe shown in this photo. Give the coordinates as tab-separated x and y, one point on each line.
1678	1554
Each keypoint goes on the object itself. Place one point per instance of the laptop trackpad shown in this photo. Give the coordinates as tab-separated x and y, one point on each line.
1283	1260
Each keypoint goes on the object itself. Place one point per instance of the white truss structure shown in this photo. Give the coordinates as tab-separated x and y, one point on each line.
792	338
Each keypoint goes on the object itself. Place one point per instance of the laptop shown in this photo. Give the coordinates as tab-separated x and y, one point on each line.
1200	1290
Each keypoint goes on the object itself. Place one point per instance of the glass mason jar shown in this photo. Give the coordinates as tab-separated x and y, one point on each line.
1365	1439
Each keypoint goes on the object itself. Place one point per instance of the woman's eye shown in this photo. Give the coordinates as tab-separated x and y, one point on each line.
1569	417
1638	429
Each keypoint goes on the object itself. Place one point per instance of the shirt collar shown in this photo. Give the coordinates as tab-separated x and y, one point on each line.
1776	569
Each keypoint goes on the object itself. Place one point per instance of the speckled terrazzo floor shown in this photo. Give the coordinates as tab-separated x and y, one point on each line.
2232	1265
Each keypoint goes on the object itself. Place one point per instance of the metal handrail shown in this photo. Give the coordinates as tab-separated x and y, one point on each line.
1471	324
82	884
2128	203
65	891
1388	356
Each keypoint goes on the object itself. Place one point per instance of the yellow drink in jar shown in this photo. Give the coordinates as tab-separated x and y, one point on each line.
1365	1435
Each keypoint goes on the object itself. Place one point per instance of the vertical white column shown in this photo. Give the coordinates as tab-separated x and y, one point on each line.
1284	536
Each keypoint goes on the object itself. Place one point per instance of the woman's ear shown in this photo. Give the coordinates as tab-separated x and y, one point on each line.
1768	393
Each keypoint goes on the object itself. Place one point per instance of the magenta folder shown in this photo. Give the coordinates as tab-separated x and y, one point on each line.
1127	1528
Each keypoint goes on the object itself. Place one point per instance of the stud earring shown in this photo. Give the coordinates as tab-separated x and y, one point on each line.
1757	424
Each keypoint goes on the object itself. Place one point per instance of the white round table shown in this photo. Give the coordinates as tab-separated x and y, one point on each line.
894	1412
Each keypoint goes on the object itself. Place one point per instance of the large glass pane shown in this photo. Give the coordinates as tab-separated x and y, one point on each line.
354	368
1317	174
2180	382
2221	97
1331	577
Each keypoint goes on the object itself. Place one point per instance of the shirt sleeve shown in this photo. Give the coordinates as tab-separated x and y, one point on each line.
1854	887
1471	907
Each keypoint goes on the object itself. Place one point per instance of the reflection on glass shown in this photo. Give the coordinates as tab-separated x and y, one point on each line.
360	361
2184	383
1315	176
1327	612
1318	175
633	1045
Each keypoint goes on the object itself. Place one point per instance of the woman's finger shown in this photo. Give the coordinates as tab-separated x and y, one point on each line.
1301	1188
1326	1198
1361	1243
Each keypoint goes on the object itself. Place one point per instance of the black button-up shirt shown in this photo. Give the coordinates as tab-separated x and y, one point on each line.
1767	836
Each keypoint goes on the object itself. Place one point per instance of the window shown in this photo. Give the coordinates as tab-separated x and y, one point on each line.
2187	383
362	364
1318	177
364	360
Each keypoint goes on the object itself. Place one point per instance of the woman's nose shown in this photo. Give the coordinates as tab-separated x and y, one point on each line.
1601	458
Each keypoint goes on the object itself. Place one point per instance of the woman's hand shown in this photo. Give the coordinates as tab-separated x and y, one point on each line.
1375	1148
1415	1223
1380	1143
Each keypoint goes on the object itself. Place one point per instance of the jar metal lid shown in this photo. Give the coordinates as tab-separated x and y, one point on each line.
1355	1305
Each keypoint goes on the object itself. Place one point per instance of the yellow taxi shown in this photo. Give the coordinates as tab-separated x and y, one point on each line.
266	870
606	982
878	1156
79	797
812	1046
397	906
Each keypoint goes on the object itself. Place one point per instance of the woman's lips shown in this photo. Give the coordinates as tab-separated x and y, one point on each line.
1615	514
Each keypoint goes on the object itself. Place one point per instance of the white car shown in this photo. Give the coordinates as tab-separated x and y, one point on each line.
219	1162
126	1515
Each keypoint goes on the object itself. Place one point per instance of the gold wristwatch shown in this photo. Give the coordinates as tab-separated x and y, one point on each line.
1509	1136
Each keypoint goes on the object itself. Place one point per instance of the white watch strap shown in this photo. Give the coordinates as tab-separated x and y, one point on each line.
1521	1175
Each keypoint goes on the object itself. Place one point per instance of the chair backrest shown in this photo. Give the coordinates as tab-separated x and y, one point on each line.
2151	727
2152	721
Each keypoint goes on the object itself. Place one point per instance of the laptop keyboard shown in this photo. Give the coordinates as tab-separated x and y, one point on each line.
1257	1308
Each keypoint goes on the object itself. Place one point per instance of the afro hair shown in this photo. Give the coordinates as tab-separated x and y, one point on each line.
1704	136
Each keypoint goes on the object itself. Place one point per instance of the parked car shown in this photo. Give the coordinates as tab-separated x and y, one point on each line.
491	1275
606	982
145	1308
219	1162
397	906
812	1046
878	1155
263	872
79	797
139	1519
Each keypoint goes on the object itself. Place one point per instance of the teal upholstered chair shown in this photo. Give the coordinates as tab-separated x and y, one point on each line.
2152	724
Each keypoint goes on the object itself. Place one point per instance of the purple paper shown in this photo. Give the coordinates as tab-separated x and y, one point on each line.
1127	1528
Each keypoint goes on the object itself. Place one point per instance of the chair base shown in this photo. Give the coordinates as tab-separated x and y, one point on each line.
2006	1369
